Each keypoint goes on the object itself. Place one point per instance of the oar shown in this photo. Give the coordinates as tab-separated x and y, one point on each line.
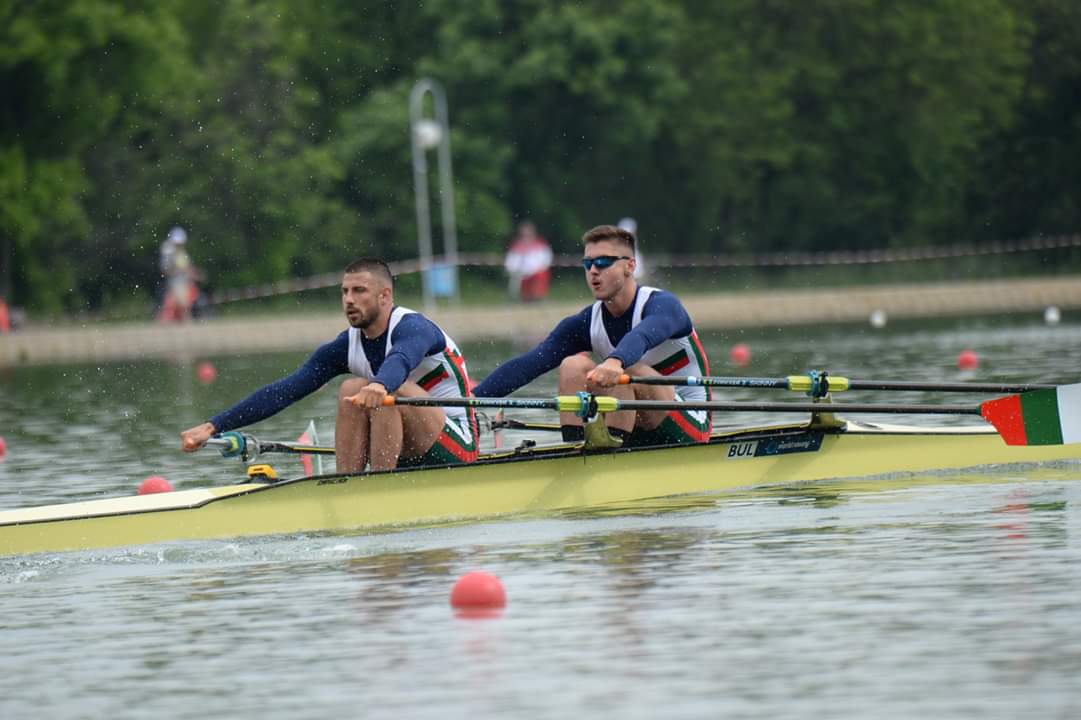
1041	417
246	447
819	383
604	403
512	424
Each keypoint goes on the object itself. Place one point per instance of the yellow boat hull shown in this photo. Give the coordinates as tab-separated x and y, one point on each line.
536	481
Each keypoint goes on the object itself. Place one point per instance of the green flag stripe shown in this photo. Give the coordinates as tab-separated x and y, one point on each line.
1040	410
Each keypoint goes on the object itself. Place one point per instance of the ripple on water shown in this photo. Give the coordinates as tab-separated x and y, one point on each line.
893	597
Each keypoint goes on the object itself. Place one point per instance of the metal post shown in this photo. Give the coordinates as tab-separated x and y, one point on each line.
426	134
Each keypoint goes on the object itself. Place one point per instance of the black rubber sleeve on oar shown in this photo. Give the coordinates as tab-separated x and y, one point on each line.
273	446
512	424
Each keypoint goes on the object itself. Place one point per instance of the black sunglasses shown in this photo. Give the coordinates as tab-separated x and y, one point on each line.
603	262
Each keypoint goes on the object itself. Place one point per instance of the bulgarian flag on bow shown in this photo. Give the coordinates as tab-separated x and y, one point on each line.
1039	417
309	437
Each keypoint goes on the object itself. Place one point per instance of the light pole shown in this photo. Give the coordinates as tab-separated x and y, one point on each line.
428	133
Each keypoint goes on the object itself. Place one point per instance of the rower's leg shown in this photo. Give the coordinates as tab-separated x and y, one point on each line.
386	437
649	420
572	379
404	431
351	430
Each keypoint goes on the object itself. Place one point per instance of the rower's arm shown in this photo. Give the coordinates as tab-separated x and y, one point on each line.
326	363
570	336
414	338
663	317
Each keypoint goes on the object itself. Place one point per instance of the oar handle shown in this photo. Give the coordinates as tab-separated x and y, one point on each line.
235	444
230	443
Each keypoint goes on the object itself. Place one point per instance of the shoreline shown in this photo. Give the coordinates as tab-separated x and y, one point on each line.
712	311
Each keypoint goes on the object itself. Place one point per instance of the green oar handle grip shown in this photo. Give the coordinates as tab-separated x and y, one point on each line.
231	444
806	383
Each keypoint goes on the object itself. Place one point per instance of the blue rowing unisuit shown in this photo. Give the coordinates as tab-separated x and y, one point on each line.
415	337
663	317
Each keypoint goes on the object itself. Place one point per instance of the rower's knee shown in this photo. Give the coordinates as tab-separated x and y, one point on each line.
351	387
641	369
383	417
576	366
648	392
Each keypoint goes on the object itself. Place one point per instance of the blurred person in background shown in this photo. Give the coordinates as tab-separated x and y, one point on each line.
5	316
528	264
181	293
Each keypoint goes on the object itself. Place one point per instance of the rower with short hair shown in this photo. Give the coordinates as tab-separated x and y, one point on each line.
388	349
630	329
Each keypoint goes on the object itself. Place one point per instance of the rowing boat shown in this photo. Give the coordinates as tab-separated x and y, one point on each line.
527	480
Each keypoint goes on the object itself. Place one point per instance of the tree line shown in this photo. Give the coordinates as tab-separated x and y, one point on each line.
277	133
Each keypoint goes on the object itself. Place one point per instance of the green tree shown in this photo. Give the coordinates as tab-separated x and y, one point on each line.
1029	179
845	123
277	132
68	69
237	153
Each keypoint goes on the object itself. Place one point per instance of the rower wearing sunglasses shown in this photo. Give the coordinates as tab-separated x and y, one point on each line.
630	329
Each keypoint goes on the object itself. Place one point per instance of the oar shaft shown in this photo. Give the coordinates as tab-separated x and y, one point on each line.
276	446
837	383
603	403
475	402
512	424
709	381
796	407
945	387
234	444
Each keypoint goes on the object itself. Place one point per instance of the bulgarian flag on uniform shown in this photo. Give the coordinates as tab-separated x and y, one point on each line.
1038	417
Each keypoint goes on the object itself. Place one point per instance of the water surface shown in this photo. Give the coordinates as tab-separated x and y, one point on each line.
947	596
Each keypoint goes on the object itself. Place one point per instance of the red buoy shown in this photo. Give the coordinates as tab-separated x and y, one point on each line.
207	372
154	484
476	590
740	355
3	447
968	360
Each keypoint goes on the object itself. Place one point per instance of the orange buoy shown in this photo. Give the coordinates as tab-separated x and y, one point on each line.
740	354
207	372
968	360
154	484
478	590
